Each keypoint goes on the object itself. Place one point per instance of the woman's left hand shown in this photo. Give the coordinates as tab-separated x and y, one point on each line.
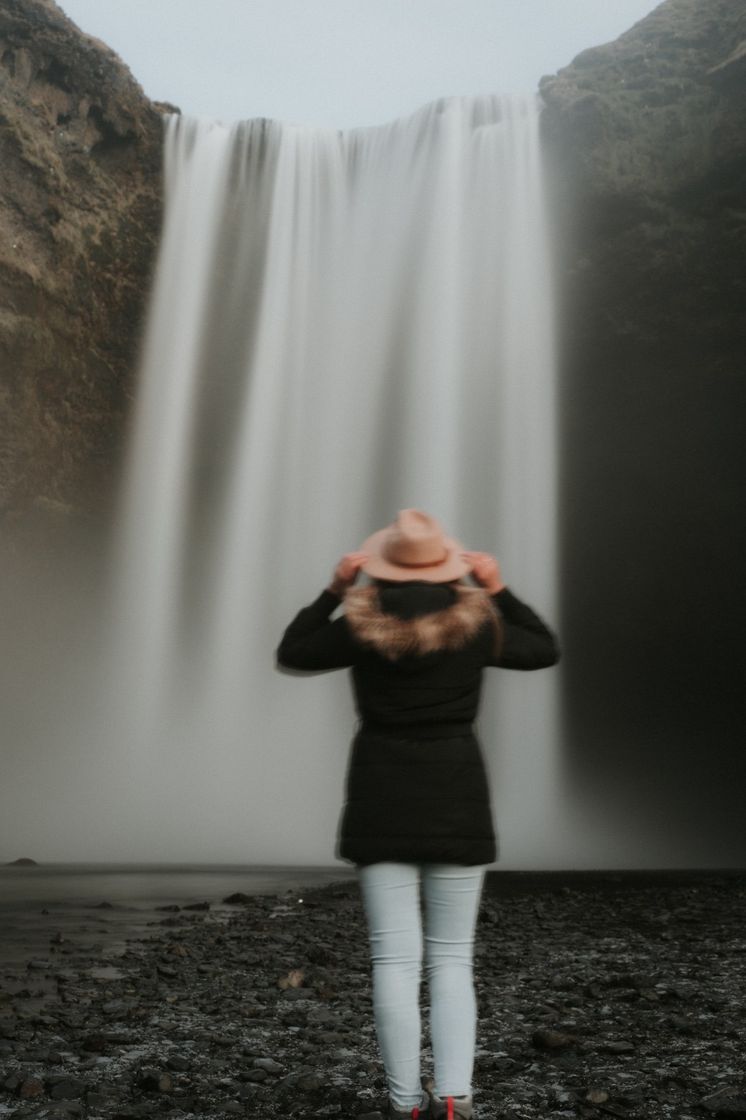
485	570
346	572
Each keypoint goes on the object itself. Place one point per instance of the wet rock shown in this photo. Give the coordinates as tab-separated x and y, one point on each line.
617	1046
257	1075
552	1040
30	1088
294	979
596	1096
65	1087
726	1102
98	1101
308	1082
152	1080
95	1042
268	1064
178	1062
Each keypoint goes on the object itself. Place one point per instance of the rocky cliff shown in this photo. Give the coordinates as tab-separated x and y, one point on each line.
646	146
80	202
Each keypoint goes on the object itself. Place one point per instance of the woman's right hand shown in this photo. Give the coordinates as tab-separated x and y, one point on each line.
346	572
485	570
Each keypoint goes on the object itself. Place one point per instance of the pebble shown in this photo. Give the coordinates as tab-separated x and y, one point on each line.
584	1011
268	1064
552	1040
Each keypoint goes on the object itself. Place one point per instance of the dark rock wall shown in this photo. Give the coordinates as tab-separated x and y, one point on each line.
646	140
80	205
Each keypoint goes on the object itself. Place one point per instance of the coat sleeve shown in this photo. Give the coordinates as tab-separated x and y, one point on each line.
312	642
526	642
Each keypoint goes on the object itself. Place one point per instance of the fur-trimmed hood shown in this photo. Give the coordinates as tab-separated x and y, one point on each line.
449	628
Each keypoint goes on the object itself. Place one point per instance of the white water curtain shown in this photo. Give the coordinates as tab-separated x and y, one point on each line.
343	324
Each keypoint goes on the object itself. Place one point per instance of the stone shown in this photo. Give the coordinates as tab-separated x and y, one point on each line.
546	1039
729	1102
65	1088
294	979
178	1062
617	1046
31	1087
309	1082
155	1081
596	1096
258	1075
268	1064
96	1042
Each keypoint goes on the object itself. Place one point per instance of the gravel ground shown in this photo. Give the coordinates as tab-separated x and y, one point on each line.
594	1001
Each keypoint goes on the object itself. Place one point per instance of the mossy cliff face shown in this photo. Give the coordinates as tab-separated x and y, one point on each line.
80	205
646	146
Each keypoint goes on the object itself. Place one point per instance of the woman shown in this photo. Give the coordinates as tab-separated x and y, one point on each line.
418	812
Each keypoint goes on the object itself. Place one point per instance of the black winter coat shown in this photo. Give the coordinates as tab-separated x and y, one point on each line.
416	788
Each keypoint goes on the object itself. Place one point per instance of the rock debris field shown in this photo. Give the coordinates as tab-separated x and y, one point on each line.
612	1000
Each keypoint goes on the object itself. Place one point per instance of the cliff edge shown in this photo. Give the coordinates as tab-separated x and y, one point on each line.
80	207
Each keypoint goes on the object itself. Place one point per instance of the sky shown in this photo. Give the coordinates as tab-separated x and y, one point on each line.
344	63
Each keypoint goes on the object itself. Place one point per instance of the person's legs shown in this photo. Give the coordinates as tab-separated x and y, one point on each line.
452	895
391	899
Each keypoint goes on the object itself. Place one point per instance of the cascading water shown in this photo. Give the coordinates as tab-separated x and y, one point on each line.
343	324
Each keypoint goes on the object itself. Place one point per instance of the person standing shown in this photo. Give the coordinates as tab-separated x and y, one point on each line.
417	820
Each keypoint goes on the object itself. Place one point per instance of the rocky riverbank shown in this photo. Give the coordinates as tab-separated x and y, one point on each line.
595	1000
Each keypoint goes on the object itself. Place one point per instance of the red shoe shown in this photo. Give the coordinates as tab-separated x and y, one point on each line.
417	1113
450	1108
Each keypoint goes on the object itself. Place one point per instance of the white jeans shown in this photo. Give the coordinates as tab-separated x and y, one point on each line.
391	896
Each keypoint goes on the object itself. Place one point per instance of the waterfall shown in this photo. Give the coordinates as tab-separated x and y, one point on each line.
343	324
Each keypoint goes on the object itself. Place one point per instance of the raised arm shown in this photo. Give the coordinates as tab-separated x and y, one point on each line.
526	642
313	642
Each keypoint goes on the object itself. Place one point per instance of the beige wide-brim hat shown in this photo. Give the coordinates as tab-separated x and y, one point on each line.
414	547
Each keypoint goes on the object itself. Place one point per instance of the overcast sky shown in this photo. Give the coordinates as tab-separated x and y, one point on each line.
344	62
